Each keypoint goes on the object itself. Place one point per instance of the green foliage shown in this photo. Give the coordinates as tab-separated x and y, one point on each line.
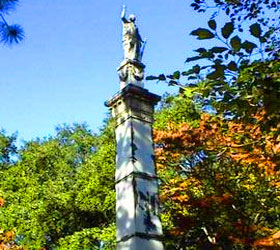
61	189
212	24
235	43
215	207
7	149
217	83
92	238
256	30
263	28
203	34
219	182
60	194
227	30
220	189
9	33
175	110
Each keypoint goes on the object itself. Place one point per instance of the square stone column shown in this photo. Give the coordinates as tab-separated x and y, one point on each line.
138	224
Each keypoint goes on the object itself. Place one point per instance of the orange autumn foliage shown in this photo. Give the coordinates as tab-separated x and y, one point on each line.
270	241
244	145
2	202
241	142
7	241
7	237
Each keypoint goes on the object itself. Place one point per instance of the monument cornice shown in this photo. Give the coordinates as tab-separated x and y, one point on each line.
134	91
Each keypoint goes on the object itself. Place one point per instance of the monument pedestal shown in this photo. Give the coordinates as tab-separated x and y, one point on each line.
131	72
138	224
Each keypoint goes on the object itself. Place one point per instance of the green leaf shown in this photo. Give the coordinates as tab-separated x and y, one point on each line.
262	39
196	69
255	30
200	50
202	34
212	24
235	43
269	33
227	30
248	46
172	83
189	72
161	77
192	77
150	78
177	74
218	49
232	66
191	59
213	75
170	77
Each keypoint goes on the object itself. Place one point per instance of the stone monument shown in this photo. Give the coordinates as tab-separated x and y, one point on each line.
137	207
131	70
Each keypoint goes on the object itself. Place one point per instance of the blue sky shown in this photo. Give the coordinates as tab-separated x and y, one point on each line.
66	67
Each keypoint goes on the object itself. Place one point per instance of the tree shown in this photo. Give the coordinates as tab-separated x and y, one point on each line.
220	172
215	80
220	183
7	149
60	192
217	154
9	34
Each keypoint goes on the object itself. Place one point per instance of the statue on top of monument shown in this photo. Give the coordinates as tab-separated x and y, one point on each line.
131	70
132	42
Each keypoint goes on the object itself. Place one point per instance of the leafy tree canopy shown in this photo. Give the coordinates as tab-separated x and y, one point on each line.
218	157
219	181
7	149
217	152
60	192
238	75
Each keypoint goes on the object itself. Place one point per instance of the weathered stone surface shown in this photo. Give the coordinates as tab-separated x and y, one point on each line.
137	208
133	101
138	224
131	72
134	148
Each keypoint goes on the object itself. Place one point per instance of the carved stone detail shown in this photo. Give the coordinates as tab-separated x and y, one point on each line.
131	72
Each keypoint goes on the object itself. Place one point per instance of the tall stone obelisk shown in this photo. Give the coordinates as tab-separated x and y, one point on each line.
138	224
